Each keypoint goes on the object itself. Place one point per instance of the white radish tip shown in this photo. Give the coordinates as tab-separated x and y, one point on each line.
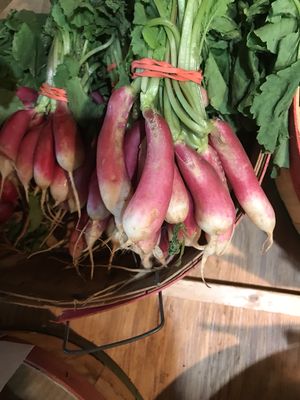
267	243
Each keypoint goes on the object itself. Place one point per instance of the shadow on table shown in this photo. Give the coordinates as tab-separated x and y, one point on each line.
275	377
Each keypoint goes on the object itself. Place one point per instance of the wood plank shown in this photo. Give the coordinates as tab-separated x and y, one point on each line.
202	349
235	296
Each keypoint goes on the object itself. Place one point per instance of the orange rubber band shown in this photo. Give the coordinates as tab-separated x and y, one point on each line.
162	69
53	92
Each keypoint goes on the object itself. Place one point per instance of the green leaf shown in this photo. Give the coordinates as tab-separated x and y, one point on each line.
283	8
272	33
58	16
9	103
258	7
140	17
23	48
216	85
226	27
272	103
150	35
68	6
288	50
281	155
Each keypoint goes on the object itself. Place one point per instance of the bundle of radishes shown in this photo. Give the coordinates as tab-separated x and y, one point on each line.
160	173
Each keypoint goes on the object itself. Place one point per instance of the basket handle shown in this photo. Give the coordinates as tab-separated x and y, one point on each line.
119	342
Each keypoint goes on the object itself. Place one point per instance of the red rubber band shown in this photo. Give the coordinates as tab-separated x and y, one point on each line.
53	92
162	69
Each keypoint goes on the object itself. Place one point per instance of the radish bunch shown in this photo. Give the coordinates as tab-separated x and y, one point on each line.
178	186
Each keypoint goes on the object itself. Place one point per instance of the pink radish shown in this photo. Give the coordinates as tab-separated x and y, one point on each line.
10	193
132	142
27	95
241	176
95	207
69	150
59	187
6	168
147	249
113	179
6	211
92	232
13	131
147	208
214	209
44	160
82	177
179	204
190	233
24	162
211	156
141	159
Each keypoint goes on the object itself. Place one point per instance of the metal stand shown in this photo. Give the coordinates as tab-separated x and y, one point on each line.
119	342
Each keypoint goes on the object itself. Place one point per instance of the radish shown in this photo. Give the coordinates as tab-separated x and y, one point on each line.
24	161
132	142
190	233
179	204
9	193
113	179
27	95
147	208
59	187
95	207
44	160
13	131
92	232
214	209
242	178
82	176
6	168
211	156
69	150
147	248
6	211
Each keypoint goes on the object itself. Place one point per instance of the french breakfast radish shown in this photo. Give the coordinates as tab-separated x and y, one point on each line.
12	132
69	149
6	211
6	168
146	210
44	159
132	142
113	179
242	178
24	161
95	207
179	204
214	209
9	193
211	156
59	187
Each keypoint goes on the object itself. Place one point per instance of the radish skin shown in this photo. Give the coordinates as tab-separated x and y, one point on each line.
6	168
146	210
44	160
6	211
13	131
242	178
59	187
132	142
9	193
24	162
179	204
113	179
211	156
69	149
214	209
95	207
